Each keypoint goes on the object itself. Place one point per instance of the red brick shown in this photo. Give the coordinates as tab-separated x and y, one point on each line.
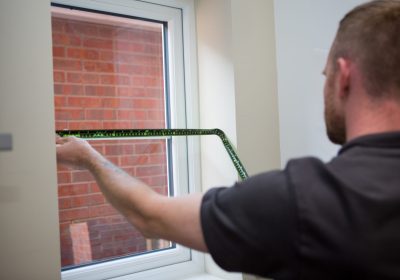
111	102
105	67
69	114
101	210
154	71
58	89
73	189
158	159
60	101
158	180
81	28
152	82
148	148
61	125
131	92
106	31
67	40
100	90
134	160
101	114
102	67
64	177
155	92
58	51
98	43
131	115
78	125
79	201
91	54
128	148
148	103
148	124
117	124
73	214
106	55
59	39
114	160
75	53
74	77
68	89
95	199
89	66
149	170
84	102
137	81
148	60
61	64
57	25
113	150
94	188
122	45
115	79
155	115
138	47
126	103
81	176
154	49
64	203
131	69
90	78
125	57
125	33
58	76
97	146
152	37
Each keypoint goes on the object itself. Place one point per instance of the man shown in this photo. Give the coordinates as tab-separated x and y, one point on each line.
339	220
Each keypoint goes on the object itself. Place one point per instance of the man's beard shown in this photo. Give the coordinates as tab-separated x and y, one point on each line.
334	122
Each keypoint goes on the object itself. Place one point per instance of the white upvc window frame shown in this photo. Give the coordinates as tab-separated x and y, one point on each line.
179	15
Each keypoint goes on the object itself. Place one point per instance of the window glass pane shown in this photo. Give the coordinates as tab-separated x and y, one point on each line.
108	74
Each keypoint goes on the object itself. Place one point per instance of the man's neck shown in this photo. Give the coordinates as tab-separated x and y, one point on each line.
371	117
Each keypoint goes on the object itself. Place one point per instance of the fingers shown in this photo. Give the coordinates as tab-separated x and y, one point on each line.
62	140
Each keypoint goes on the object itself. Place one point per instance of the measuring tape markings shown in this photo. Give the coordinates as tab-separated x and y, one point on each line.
129	133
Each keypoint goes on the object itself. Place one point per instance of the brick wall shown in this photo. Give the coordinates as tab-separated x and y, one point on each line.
107	77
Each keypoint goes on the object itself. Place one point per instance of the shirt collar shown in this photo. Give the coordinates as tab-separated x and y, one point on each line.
378	140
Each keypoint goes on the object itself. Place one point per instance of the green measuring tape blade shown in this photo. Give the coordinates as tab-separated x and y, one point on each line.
132	133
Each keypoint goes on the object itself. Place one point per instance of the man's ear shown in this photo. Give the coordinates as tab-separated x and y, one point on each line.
343	66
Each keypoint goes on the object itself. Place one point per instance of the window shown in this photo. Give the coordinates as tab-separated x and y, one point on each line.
121	65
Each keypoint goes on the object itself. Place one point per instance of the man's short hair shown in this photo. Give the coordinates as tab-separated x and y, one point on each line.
369	35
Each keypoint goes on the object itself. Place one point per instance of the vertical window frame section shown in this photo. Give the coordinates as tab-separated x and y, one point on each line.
183	107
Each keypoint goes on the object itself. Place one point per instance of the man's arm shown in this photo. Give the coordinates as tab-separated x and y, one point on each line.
155	216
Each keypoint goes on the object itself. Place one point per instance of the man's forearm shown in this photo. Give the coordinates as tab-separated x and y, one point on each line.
130	196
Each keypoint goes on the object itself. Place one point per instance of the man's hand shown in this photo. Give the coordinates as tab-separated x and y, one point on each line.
73	151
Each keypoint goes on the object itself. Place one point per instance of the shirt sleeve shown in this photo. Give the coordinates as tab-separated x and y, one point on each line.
251	227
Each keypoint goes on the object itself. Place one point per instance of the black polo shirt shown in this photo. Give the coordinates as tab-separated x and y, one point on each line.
313	220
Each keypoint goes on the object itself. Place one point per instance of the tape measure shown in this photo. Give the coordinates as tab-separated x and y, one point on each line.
135	133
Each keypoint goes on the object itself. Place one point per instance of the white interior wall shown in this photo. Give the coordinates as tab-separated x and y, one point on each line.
216	98
304	32
257	124
237	90
29	238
